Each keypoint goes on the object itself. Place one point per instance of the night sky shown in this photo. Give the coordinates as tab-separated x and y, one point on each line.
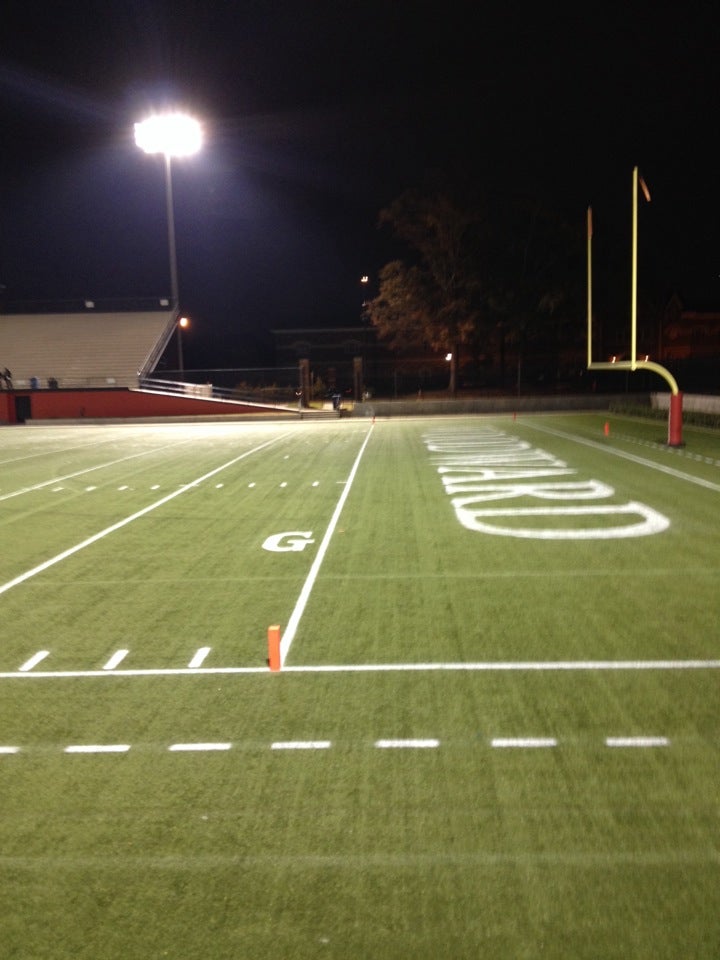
317	115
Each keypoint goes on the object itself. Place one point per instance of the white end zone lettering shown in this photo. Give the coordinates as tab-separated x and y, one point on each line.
570	490
491	466
481	521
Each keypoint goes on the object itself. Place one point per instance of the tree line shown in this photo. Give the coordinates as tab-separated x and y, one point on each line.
477	273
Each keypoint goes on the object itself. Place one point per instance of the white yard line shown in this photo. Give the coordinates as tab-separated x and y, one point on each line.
81	473
292	625
40	568
512	666
670	471
550	666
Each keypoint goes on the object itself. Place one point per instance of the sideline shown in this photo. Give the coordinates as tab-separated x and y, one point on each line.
670	471
135	516
292	625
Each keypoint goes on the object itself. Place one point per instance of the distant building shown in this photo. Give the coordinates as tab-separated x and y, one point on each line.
689	334
353	360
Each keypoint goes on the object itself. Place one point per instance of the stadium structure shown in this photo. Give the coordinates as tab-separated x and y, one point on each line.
100	364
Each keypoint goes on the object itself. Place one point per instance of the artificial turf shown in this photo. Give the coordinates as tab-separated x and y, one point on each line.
457	847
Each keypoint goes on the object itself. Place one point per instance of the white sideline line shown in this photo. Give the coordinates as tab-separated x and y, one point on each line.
135	516
301	745
532	742
197	747
199	658
512	666
98	748
637	742
429	743
292	625
116	659
34	660
670	471
9	750
549	666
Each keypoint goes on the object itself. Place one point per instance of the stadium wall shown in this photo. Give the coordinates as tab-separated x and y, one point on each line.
19	406
696	403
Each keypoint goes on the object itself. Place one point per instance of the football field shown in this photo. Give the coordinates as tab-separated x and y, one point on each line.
495	732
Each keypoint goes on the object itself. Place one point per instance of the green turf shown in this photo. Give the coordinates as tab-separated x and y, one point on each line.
461	850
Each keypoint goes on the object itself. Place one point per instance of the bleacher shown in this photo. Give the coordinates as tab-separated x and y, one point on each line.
83	350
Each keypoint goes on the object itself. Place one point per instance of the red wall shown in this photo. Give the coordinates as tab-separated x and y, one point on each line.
113	404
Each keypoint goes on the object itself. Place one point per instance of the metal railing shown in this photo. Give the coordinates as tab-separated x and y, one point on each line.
210	391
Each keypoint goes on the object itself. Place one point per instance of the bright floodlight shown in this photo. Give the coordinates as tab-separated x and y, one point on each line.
174	134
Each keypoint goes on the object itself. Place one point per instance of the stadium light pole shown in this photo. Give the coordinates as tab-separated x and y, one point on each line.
173	135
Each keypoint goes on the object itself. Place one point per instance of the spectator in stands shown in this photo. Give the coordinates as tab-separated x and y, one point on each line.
7	379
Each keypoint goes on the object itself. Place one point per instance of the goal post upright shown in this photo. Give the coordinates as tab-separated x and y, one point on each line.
633	364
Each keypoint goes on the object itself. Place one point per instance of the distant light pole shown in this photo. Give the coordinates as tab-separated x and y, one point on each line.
364	281
173	135
182	324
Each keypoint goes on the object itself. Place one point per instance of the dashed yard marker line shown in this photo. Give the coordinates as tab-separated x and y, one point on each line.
197	747
116	659
199	658
40	568
637	742
425	743
301	745
33	661
295	617
523	742
411	744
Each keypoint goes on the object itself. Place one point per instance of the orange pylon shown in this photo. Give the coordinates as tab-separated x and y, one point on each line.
274	647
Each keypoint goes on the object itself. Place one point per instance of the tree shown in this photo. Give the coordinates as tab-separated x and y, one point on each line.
434	300
486	274
535	277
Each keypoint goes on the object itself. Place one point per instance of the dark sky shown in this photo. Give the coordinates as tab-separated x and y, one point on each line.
316	115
